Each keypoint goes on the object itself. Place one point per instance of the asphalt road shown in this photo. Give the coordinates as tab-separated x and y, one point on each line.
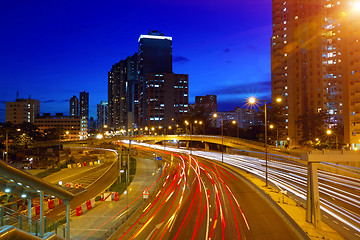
95	180
201	200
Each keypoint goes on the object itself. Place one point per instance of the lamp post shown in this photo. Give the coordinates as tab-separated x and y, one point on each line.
237	132
277	133
329	132
252	101
222	136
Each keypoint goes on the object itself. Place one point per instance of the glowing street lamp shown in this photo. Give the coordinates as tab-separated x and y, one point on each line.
329	133
237	126
222	136
252	101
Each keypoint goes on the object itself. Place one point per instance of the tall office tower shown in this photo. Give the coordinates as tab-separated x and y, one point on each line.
122	80
22	110
84	105
311	51
163	95
74	106
102	114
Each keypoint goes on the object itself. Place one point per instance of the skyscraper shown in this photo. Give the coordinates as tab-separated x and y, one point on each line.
102	114
84	105
122	90
314	58
74	106
163	95
22	110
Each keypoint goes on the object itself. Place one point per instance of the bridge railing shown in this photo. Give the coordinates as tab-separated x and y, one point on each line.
30	225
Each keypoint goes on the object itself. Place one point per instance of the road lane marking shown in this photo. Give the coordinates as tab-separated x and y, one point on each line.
346	228
335	222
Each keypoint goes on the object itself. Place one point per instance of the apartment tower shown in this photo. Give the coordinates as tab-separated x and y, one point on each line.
315	67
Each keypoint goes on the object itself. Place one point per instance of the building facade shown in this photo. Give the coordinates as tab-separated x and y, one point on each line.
313	57
22	110
165	99
244	117
84	105
163	95
102	114
74	106
122	93
208	103
74	127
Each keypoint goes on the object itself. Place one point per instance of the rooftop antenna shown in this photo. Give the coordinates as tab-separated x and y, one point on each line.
17	94
29	96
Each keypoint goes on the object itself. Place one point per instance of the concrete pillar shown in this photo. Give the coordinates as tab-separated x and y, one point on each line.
187	145
41	213
227	149
207	147
67	203
29	213
313	201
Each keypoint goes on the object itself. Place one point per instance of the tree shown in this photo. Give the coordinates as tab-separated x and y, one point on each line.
312	125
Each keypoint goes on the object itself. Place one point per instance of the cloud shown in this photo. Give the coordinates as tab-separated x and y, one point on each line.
54	101
227	50
180	59
244	88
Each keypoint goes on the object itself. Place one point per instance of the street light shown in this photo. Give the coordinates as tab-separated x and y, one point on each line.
234	122
252	101
329	133
277	133
222	136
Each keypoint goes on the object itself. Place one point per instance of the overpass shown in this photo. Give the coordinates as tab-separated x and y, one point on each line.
225	141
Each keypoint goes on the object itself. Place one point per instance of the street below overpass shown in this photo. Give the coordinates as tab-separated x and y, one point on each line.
203	200
339	194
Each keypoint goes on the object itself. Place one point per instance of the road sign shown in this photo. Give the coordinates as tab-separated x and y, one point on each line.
146	193
158	158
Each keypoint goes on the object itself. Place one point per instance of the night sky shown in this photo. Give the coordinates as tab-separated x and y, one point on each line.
53	49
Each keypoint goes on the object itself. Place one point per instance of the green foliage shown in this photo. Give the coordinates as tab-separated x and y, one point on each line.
312	125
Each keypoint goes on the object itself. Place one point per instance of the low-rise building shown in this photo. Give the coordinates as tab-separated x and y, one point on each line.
74	127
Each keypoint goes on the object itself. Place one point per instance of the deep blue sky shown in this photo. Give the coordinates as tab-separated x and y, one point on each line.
53	49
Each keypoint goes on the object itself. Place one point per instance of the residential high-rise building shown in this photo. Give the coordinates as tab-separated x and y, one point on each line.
74	106
163	95
102	114
22	110
84	105
244	117
315	65
122	90
208	103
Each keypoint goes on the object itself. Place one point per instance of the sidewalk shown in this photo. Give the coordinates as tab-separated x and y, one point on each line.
95	223
294	210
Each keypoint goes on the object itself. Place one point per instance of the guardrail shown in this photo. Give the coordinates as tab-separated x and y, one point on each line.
30	225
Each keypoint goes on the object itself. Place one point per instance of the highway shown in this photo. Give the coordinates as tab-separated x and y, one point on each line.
339	195
202	200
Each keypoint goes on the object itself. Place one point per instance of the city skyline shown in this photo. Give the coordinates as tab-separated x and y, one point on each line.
67	47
